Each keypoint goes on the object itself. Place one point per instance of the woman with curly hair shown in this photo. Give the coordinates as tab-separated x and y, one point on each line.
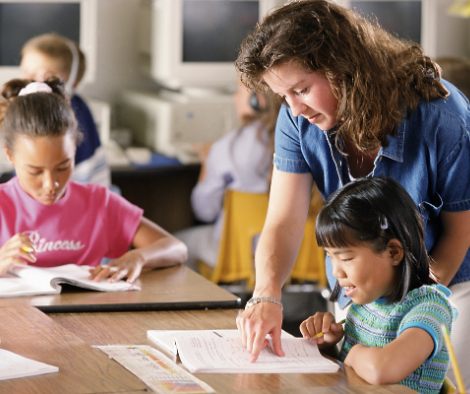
359	102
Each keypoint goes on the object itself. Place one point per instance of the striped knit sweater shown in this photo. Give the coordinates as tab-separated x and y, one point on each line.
376	324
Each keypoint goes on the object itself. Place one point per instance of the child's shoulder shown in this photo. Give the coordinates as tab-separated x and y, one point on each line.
433	298
425	291
87	189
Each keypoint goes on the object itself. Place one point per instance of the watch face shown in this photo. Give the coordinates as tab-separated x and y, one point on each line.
251	302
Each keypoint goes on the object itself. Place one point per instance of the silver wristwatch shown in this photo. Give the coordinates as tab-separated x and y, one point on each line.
256	300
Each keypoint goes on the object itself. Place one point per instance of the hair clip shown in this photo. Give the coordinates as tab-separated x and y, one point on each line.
383	223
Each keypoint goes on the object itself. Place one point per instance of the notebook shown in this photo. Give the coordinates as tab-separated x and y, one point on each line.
27	280
221	351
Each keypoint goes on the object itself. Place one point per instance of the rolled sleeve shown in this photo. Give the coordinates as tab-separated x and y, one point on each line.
288	156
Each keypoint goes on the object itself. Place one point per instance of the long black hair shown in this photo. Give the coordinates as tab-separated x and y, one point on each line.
371	212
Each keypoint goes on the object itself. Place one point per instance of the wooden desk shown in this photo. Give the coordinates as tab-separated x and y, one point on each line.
174	288
131	328
30	333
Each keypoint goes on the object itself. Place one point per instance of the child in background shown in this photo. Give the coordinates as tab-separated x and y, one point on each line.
240	160
50	55
373	233
47	219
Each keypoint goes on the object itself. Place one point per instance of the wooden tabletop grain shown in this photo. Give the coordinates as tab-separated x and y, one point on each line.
131	328
175	288
30	333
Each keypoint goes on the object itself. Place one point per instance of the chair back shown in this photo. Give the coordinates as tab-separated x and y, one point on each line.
310	262
244	217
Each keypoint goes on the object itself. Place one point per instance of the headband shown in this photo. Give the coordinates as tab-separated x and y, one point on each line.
35	87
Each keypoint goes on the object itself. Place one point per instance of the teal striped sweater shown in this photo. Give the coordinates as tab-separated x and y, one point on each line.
377	324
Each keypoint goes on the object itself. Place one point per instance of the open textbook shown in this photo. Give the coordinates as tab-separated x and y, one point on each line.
167	338
14	366
27	280
221	351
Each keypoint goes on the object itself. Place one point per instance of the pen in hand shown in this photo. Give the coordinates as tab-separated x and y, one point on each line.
320	334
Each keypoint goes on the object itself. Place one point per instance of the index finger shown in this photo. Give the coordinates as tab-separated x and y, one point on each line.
259	343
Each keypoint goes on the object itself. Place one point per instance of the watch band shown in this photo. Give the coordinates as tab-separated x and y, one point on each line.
256	300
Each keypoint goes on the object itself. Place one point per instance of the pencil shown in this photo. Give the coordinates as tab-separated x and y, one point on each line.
453	360
320	334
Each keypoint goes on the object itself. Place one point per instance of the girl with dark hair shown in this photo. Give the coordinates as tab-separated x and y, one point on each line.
358	102
373	233
47	219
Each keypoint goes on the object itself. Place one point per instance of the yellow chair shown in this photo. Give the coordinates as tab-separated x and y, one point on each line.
244	216
310	262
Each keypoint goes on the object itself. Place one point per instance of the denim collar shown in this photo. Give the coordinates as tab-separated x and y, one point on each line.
395	151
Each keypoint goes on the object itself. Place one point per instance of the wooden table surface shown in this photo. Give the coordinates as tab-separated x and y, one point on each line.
130	328
30	333
175	288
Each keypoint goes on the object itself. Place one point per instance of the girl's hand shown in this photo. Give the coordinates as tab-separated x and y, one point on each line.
127	266
322	322
17	250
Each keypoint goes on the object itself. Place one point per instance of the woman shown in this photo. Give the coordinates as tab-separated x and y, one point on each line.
359	102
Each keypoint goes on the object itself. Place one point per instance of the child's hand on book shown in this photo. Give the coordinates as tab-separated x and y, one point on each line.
322	329
127	266
17	250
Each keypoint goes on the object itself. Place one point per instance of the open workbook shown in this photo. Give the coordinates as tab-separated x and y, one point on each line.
27	280
221	351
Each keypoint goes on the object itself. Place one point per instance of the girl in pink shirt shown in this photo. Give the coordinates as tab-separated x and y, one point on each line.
48	220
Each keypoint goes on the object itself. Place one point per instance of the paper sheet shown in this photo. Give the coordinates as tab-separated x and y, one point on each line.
166	338
156	370
227	355
15	366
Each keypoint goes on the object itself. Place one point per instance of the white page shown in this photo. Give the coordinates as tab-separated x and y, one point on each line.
12	286
166	338
155	369
14	366
227	355
32	280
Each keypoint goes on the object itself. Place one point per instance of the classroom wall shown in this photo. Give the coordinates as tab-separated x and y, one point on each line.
117	54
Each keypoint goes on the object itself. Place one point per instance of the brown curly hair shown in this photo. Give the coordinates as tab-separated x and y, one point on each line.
36	114
377	78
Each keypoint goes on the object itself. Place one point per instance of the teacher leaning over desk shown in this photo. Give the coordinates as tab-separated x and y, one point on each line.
358	102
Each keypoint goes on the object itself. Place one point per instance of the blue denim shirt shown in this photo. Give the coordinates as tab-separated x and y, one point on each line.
430	157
